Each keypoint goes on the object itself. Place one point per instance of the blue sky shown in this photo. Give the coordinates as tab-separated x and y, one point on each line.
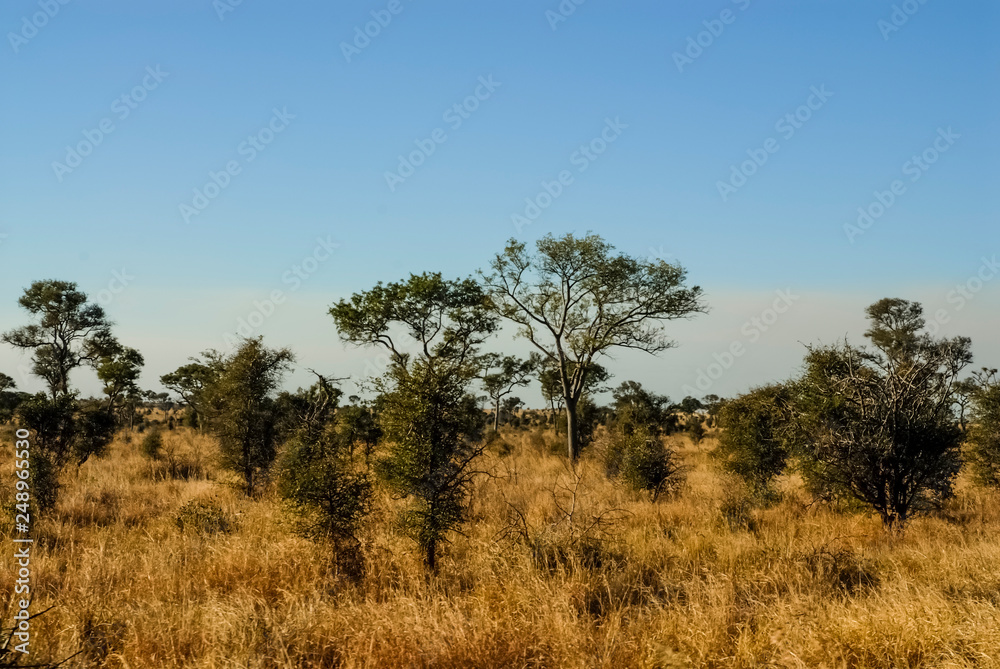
336	124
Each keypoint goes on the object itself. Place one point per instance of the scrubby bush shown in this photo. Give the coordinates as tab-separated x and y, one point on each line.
203	517
152	445
753	443
695	429
638	456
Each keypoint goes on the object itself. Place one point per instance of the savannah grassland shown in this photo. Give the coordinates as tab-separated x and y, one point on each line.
553	570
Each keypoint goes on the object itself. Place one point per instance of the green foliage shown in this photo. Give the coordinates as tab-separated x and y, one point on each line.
9	398
45	484
321	479
690	405
242	413
428	418
635	404
432	425
879	424
503	374
95	428
190	382
119	369
642	461
754	442
67	331
574	299
637	455
53	424
152	445
984	432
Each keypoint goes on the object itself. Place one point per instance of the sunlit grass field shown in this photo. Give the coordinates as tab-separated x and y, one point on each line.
555	569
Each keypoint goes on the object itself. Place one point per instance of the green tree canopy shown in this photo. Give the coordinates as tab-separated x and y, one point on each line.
574	299
67	332
428	417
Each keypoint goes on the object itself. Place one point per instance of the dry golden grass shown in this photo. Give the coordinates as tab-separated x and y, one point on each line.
622	583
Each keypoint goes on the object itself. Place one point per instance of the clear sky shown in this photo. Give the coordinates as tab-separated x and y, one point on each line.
116	115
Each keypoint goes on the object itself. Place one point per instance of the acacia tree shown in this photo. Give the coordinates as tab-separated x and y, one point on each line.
575	300
190	381
67	332
119	370
878	426
503	374
428	417
242	412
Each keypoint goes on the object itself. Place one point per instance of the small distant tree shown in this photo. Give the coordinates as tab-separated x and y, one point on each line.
574	300
635	405
503	374
9	398
984	432
429	419
191	380
242	413
754	442
119	369
878	425
690	405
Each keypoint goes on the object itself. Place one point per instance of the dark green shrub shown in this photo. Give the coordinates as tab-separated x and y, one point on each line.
639	457
753	443
152	445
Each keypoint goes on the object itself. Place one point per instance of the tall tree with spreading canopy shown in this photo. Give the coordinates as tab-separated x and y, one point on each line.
574	300
242	411
67	333
429	419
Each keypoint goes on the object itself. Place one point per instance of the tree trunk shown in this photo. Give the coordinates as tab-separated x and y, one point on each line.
430	557
572	431
496	417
